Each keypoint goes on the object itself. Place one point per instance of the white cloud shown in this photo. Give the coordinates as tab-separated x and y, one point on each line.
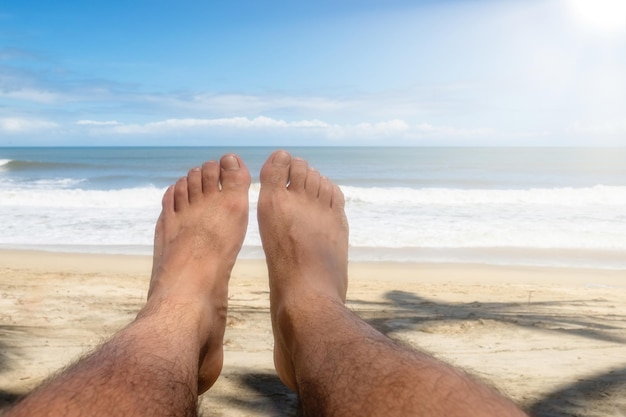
364	130
428	129
242	103
233	123
97	123
396	129
32	95
170	125
351	108
17	125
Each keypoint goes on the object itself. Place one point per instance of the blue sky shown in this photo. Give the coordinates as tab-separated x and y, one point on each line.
340	72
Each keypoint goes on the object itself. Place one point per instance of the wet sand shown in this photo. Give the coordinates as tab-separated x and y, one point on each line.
553	339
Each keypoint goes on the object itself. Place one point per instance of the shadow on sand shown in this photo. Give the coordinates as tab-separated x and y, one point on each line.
7	398
268	394
577	399
604	393
405	310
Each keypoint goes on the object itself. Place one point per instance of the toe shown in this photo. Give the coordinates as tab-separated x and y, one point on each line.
326	191
275	171
168	200
312	183
181	194
194	185
338	200
210	177
234	174
167	213
297	174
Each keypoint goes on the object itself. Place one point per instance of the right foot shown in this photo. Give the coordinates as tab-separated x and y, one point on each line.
304	231
197	239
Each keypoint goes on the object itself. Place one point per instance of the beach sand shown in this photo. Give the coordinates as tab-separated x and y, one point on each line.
553	339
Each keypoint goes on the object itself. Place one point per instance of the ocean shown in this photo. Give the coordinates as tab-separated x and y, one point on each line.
512	206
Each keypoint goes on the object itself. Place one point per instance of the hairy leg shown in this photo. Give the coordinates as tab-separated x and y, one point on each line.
339	365
173	350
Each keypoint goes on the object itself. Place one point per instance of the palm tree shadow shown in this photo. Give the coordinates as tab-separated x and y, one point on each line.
269	395
7	397
579	398
407	311
604	394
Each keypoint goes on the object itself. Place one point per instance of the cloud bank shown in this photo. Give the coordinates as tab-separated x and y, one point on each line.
364	131
18	126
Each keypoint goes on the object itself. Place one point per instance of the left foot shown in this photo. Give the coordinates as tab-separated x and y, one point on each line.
197	238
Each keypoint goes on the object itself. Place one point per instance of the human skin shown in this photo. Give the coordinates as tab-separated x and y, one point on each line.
338	364
172	351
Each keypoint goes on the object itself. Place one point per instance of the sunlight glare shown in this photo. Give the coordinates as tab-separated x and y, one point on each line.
599	16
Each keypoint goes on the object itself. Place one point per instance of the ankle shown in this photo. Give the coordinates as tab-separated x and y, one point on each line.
301	320
174	314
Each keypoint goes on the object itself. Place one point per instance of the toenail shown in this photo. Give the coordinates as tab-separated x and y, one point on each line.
281	158
230	163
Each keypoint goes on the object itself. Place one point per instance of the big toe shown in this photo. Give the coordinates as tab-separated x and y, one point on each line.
275	171
234	174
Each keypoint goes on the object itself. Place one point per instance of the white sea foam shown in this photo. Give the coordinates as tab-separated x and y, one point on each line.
100	199
47	198
50	184
586	218
567	218
600	194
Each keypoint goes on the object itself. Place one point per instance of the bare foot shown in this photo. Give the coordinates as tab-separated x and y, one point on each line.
305	237
197	238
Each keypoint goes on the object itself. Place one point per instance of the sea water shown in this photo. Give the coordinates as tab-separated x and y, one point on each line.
534	206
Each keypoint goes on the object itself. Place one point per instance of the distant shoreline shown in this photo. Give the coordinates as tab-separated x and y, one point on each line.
505	257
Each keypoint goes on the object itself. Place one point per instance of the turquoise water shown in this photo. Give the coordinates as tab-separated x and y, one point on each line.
560	206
